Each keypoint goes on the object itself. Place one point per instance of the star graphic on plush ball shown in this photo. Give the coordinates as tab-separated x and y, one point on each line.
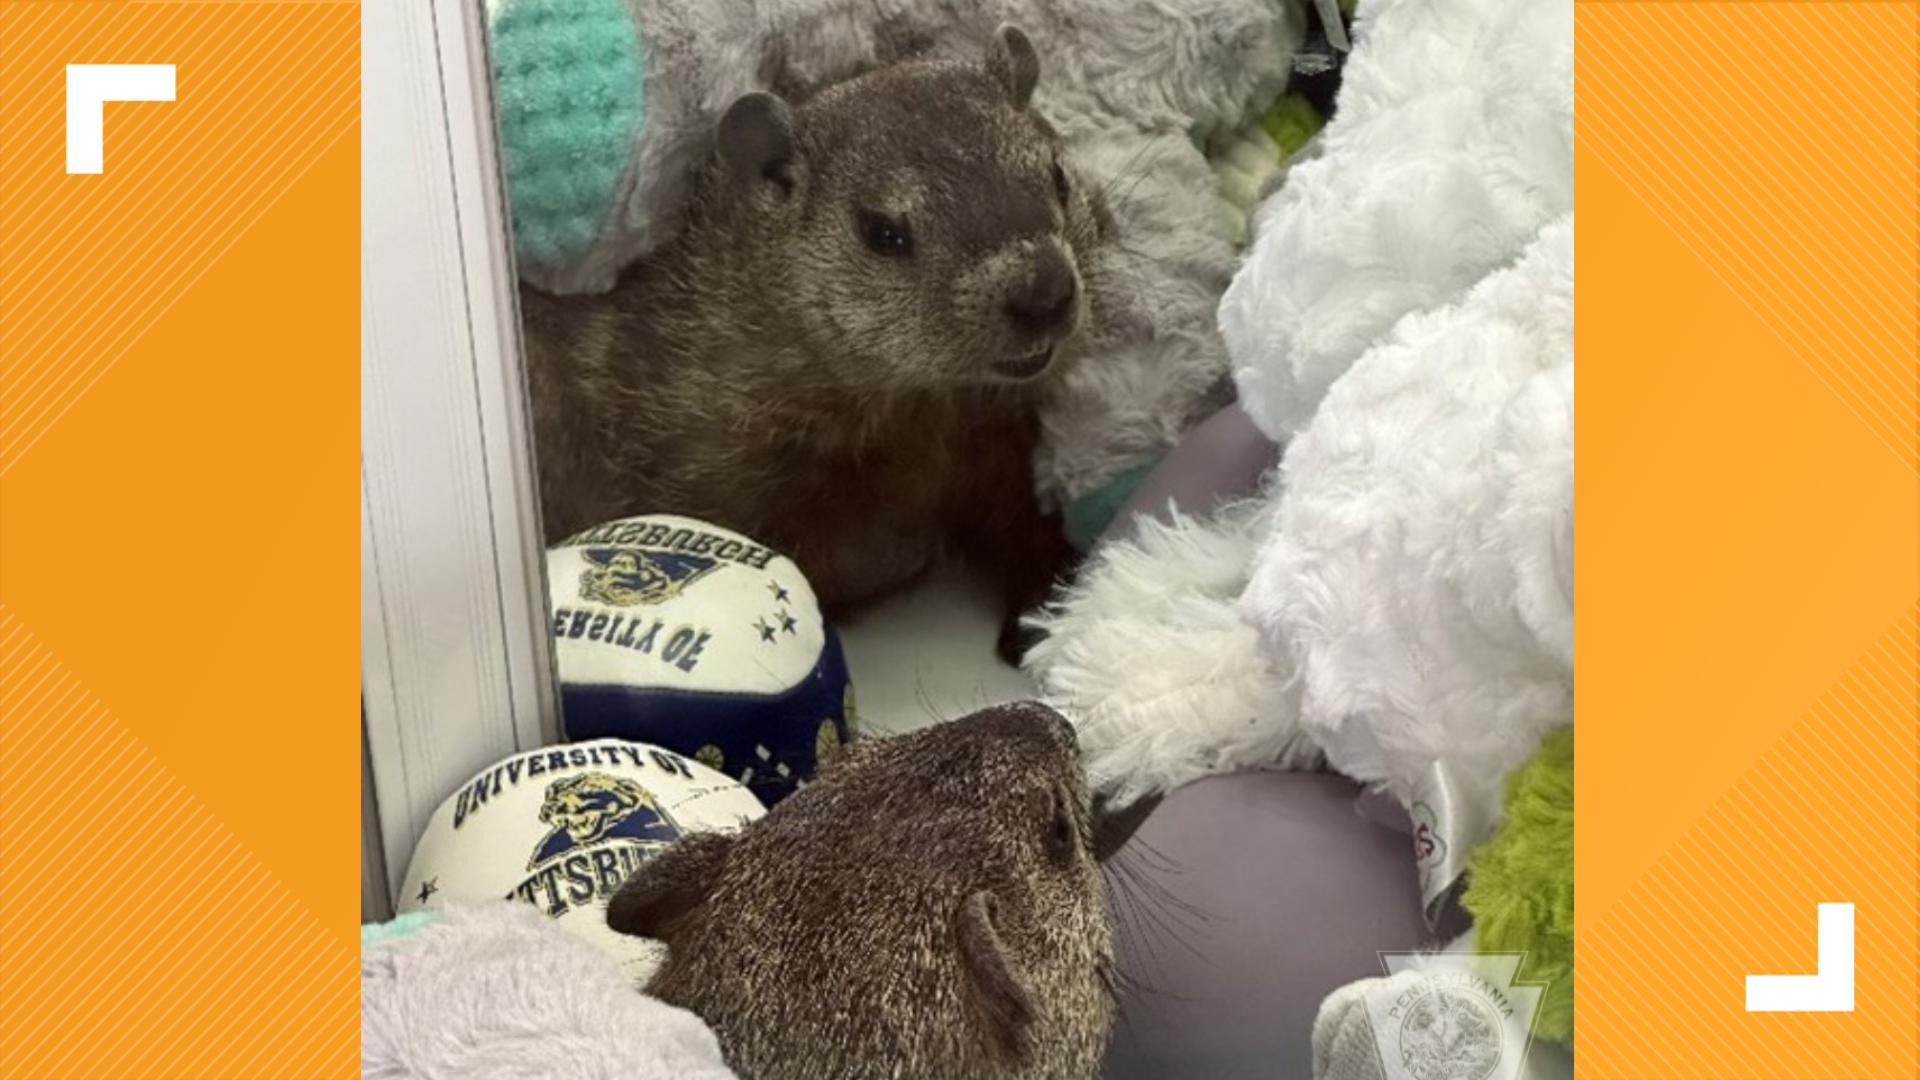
780	594
788	622
766	632
428	888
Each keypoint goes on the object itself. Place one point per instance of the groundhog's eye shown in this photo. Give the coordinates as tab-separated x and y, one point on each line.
1060	187
1060	830
885	235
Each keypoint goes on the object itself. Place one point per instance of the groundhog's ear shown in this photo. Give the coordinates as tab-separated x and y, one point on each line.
669	887
756	139
1012	61
1000	1000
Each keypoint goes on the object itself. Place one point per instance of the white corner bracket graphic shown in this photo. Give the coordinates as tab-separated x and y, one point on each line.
89	88
1828	990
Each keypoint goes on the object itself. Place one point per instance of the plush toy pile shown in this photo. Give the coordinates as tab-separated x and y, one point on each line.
1420	266
1398	601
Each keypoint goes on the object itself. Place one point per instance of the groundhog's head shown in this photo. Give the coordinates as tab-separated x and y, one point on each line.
930	906
927	225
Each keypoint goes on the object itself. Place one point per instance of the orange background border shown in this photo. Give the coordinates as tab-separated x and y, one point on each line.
179	388
1749	539
177	599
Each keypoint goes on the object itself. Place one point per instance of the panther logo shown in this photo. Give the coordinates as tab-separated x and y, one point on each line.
591	807
625	576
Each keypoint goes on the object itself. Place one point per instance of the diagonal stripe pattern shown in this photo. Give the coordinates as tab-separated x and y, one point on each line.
141	934
1776	144
91	262
142	939
1780	168
1826	815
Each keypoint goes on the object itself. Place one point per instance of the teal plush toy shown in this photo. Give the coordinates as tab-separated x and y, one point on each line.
569	87
1520	883
1086	517
570	98
399	926
606	106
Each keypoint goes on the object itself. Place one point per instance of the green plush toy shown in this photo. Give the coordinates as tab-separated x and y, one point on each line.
1520	882
1290	122
1247	164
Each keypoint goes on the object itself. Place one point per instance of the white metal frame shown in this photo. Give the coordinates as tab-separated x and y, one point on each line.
456	667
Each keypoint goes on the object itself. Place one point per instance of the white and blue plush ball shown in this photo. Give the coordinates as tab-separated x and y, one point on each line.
562	827
685	635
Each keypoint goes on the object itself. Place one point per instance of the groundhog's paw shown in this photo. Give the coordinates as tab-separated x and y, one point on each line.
1016	638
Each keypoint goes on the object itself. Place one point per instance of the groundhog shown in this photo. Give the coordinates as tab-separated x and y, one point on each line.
843	352
928	908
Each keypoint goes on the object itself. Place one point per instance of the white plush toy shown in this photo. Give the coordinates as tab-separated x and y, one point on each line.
1451	147
1418	581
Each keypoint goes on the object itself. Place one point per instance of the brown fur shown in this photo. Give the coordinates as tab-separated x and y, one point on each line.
928	908
771	372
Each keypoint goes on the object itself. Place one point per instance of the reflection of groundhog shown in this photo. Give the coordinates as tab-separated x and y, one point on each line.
843	352
928	907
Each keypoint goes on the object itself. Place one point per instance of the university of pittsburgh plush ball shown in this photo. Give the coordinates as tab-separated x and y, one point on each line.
681	634
563	826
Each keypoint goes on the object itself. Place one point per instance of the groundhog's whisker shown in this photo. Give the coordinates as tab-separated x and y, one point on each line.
1137	932
1126	170
1136	178
1172	905
1154	914
1128	942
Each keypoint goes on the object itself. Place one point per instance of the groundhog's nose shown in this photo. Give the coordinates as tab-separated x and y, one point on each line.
1044	303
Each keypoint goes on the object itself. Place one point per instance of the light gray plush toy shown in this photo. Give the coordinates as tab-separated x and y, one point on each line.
606	105
498	992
